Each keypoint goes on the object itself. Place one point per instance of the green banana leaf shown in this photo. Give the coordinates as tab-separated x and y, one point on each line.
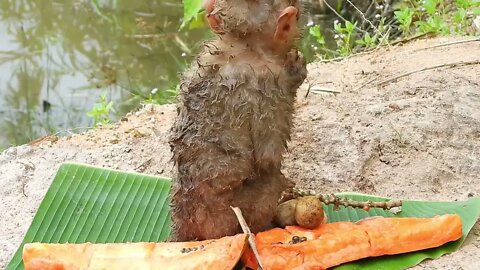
91	204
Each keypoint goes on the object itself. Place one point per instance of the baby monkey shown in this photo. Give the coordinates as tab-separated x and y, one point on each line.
235	118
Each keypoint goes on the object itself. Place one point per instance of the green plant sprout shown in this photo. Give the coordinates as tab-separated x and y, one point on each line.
162	97
405	17
101	111
315	32
344	37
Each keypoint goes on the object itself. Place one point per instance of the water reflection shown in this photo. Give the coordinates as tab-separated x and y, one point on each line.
58	57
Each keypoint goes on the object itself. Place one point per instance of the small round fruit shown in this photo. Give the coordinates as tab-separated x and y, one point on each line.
285	213
309	212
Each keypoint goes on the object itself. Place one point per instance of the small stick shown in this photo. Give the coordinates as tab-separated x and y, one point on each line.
246	230
367	51
310	85
146	36
326	90
365	84
337	201
340	16
476	62
365	19
449	43
406	40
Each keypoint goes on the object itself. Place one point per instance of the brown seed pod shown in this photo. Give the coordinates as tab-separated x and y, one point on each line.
285	213
309	212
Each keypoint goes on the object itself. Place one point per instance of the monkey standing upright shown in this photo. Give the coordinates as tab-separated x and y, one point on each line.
235	118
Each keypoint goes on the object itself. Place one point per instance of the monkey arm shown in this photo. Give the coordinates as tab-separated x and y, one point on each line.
295	69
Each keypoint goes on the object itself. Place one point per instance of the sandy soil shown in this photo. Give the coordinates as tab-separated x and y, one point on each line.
417	137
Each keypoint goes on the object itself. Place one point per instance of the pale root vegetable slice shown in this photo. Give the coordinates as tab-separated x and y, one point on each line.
221	253
335	243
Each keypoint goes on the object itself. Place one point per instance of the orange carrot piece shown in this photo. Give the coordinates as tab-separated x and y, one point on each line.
329	245
401	235
222	253
335	243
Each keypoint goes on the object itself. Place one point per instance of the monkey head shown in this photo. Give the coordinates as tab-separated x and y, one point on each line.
273	22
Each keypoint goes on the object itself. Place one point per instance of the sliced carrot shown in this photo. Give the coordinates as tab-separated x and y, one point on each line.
222	253
335	243
400	235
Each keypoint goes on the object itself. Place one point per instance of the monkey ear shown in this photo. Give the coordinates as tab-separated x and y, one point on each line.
213	20
286	24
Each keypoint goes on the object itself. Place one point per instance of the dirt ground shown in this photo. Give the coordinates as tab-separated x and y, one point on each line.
417	137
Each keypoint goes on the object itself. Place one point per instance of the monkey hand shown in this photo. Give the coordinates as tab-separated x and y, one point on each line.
296	68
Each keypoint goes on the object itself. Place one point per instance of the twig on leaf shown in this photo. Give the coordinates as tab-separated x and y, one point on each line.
246	230
337	201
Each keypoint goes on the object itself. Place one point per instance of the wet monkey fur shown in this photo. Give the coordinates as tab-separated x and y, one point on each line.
234	119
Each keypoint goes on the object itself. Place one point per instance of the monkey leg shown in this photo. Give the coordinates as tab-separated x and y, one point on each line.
203	193
201	217
258	199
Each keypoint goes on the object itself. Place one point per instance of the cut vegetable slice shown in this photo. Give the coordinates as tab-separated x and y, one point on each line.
335	243
468	210
222	254
388	236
